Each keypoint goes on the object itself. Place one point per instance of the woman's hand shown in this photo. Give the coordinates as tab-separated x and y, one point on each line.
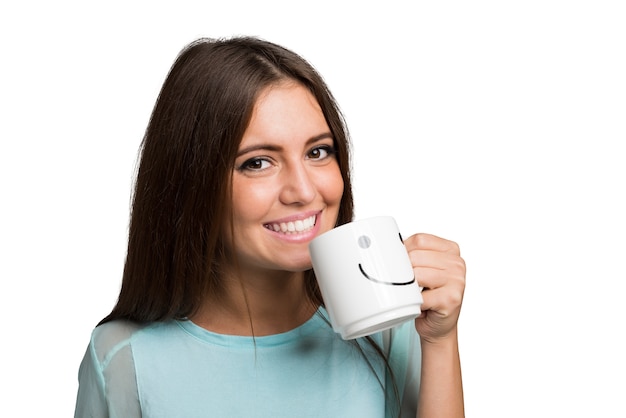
440	270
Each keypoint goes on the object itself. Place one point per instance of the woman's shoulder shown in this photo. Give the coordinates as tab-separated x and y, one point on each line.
106	375
109	338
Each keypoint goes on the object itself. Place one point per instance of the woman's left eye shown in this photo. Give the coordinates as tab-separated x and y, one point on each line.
319	153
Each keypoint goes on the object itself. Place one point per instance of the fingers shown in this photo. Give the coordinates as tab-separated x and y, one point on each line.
431	242
442	298
434	269
445	300
429	278
440	270
436	262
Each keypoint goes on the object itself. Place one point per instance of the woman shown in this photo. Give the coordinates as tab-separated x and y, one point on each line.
245	160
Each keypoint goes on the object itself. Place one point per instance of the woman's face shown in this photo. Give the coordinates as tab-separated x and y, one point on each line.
287	185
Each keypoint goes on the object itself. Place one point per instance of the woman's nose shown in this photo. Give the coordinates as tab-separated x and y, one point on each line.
298	186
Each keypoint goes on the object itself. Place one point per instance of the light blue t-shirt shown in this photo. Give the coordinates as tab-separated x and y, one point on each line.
178	369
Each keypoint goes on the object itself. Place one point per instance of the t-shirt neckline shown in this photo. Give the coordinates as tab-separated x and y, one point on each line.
317	320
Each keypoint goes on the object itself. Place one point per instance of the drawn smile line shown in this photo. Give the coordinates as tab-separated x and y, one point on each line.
381	282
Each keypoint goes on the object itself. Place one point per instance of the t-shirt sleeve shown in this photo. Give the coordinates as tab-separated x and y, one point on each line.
107	386
90	401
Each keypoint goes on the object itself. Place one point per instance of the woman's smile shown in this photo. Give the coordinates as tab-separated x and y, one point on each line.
297	229
295	225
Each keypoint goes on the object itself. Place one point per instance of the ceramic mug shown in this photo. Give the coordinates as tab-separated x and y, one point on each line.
365	276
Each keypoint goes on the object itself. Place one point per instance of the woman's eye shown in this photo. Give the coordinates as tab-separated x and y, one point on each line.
319	153
255	164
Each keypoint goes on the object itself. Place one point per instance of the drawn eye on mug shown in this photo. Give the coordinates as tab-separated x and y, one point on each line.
365	242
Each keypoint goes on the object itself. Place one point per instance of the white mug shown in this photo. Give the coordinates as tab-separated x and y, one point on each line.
365	276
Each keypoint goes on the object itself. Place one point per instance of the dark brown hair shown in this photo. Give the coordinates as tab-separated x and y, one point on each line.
182	191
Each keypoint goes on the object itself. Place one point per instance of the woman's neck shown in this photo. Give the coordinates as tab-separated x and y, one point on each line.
266	304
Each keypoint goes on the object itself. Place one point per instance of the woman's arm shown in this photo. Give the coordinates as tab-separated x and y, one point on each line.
440	270
441	391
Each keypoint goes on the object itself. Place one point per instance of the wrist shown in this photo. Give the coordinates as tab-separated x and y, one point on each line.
449	340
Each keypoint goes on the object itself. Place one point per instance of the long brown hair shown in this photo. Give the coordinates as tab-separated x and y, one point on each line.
182	191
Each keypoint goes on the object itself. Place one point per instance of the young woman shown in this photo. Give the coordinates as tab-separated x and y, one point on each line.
245	160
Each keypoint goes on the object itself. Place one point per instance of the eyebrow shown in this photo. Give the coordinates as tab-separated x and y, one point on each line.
269	147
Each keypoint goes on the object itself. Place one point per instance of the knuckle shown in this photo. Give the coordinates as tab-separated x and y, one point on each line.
455	248
455	299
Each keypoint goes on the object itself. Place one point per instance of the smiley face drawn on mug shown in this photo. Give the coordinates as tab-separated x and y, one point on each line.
365	242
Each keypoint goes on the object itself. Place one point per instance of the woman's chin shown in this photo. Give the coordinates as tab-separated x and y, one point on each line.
299	266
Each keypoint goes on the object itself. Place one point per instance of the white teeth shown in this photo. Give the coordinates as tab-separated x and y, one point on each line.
293	227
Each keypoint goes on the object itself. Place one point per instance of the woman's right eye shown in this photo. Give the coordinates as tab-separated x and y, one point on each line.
255	164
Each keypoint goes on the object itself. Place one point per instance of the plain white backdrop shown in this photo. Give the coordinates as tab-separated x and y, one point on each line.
499	125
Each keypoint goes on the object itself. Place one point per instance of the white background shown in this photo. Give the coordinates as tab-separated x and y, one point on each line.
497	124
